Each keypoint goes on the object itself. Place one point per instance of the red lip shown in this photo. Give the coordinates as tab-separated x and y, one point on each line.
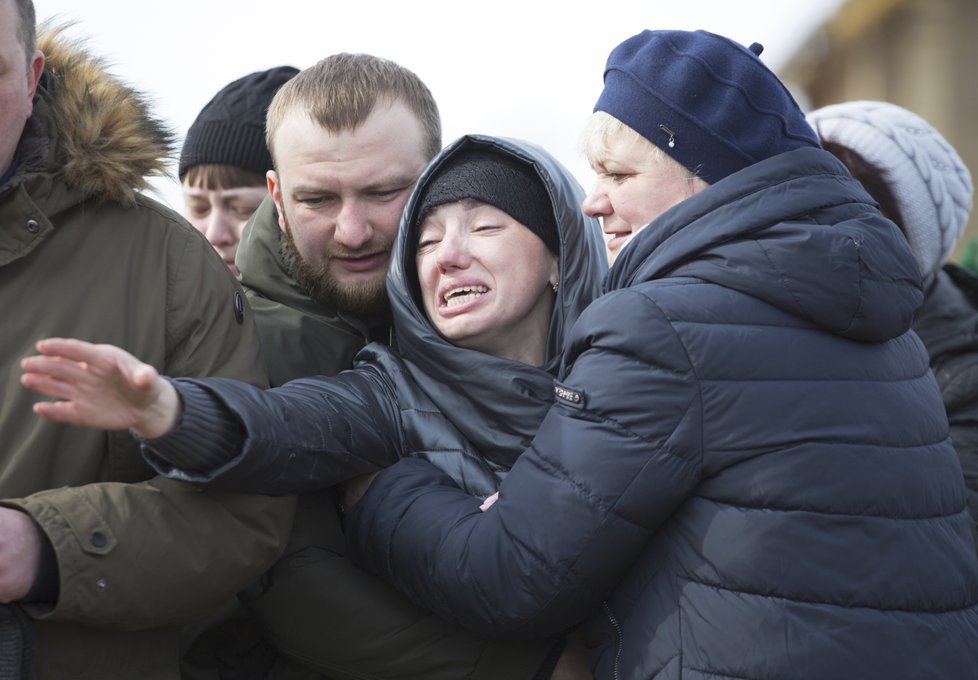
365	263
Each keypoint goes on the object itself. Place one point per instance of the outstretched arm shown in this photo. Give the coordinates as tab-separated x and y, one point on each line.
101	387
308	434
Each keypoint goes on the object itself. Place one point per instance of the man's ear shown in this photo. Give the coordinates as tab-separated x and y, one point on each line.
34	72
275	191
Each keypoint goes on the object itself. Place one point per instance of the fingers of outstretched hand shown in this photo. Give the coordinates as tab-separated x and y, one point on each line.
99	359
61	412
69	348
58	377
54	368
85	403
66	411
43	383
89	366
102	386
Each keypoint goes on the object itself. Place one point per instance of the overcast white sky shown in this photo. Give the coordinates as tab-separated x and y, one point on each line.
517	68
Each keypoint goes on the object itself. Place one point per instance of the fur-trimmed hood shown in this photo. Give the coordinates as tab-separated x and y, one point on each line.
108	143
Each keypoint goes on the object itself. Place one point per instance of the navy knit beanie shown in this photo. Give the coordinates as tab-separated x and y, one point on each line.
230	129
498	180
706	101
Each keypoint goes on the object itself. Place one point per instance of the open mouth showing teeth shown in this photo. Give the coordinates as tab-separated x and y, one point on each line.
458	296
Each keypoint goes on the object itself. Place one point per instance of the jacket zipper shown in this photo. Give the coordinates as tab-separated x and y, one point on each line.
616	671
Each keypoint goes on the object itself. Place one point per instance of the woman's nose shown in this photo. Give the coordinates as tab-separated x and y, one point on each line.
220	228
596	204
453	252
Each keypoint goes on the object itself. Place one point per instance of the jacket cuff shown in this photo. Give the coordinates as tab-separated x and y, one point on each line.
204	439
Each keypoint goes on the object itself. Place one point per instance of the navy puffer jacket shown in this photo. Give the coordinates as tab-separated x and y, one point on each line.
747	473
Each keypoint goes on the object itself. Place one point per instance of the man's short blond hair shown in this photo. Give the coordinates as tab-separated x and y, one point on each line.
341	91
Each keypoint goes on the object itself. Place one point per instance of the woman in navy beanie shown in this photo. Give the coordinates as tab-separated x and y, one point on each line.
747	471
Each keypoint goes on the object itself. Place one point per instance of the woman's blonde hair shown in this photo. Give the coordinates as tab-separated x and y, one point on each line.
601	128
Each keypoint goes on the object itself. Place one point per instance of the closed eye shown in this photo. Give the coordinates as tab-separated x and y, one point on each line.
389	194
427	244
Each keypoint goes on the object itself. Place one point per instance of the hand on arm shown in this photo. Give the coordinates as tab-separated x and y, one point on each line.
101	387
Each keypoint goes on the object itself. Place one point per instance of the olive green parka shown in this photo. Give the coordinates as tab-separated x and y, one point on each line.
84	254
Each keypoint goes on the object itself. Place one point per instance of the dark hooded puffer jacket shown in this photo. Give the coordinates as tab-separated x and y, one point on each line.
84	254
747	473
468	412
948	325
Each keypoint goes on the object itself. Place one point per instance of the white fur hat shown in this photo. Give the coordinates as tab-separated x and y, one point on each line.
930	183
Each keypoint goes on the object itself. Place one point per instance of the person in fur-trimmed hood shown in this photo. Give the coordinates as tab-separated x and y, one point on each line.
108	562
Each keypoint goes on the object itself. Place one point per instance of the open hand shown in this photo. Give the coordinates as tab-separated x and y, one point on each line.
100	386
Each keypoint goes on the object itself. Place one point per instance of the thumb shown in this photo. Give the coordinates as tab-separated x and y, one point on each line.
144	377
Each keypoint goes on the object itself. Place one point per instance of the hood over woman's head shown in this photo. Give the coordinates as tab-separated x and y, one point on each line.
533	188
499	180
469	385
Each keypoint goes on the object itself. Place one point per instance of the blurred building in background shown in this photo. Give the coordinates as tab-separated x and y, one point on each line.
920	54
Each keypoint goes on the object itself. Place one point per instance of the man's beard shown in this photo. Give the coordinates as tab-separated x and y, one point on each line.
316	281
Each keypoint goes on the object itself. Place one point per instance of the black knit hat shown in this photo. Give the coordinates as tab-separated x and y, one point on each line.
502	182
230	129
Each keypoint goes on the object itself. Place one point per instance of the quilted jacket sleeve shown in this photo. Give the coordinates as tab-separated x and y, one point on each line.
614	457
308	434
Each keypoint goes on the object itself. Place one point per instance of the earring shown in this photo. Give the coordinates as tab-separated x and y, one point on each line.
554	285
